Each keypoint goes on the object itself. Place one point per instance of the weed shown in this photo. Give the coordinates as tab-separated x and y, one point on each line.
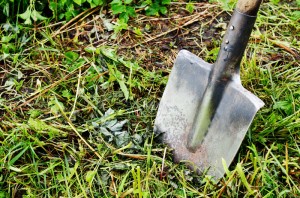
77	119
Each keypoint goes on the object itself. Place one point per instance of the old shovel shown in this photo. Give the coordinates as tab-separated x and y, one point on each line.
205	111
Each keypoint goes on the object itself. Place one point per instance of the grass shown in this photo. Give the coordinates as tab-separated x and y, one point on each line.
77	118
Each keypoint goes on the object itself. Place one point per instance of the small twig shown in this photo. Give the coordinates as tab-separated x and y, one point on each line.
80	16
286	48
51	25
113	185
163	164
225	185
282	46
133	156
198	4
287	161
86	24
123	148
167	18
77	93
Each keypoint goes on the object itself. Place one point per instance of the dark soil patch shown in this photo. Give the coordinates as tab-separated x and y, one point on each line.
161	38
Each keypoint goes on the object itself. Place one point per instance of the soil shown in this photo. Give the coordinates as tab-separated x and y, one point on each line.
160	38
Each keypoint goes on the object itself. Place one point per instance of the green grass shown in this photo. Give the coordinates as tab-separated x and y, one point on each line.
77	119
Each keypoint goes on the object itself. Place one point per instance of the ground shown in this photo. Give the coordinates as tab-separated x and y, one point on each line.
78	103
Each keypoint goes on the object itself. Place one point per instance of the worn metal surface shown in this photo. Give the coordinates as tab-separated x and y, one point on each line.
226	66
233	106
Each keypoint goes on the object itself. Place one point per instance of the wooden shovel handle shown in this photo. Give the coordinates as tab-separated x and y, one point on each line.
249	7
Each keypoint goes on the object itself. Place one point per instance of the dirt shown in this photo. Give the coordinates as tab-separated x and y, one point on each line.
160	51
161	37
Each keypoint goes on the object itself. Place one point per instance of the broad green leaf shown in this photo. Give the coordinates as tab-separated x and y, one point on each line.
127	1
54	108
90	49
287	106
6	39
70	14
165	2
124	16
34	113
3	194
6	10
131	65
190	7
275	1
18	84
79	2
119	2
111	123
53	6
123	138
295	15
117	9
115	74
7	26
92	5
77	64
109	53
35	15
163	10
28	21
61	16
90	176
98	2
152	10
66	94
120	25
42	127
71	56
138	31
130	11
62	2
107	134
214	52
123	88
117	126
26	14
107	23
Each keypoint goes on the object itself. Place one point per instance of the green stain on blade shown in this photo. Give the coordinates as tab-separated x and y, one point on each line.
202	122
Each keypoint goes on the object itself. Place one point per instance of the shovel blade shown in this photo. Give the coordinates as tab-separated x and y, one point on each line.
179	106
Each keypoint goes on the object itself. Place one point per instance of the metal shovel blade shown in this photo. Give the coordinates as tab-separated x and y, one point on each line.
179	106
205	111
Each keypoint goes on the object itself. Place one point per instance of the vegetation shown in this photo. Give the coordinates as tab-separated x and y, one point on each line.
80	85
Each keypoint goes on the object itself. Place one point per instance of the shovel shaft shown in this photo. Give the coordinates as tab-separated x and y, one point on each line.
249	7
226	67
233	46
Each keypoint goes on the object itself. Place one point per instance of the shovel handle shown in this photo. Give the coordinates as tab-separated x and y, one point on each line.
249	7
225	69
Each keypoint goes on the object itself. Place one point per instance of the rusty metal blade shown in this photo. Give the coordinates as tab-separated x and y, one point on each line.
178	108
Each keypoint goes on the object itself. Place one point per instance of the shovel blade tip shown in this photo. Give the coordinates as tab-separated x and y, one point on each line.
178	108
